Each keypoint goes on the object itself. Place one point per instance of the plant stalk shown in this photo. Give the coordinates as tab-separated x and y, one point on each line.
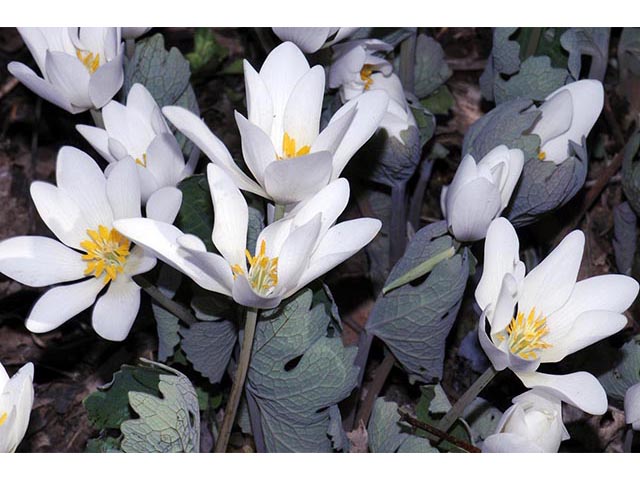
463	402
238	382
279	212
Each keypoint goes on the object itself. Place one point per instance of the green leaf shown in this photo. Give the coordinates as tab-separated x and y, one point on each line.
208	346
167	325
420	270
414	320
626	372
196	212
109	406
440	101
631	171
425	120
625	237
388	435
629	52
503	60
207	52
103	445
431	69
482	419
297	373
587	41
167	424
535	80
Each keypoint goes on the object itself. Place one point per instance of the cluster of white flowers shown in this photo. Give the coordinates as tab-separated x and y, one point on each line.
113	225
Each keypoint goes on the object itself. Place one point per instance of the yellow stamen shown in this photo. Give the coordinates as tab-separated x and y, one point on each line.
365	75
263	270
525	335
107	252
3	418
542	155
142	162
289	148
90	60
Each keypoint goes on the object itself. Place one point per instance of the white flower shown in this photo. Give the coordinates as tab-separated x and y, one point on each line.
16	400
356	67
479	193
82	68
312	39
131	33
139	131
281	143
555	317
632	406
80	211
289	254
533	424
568	115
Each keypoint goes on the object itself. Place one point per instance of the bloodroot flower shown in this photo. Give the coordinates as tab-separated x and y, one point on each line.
554	314
80	211
16	400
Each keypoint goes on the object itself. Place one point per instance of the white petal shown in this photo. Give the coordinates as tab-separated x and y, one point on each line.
139	261
497	357
466	172
60	213
502	311
106	81
43	88
632	404
292	180
142	101
116	310
548	286
329	139
60	304
580	389
556	114
295	254
98	138
39	261
123	190
515	166
500	257
231	218
309	39
304	107
243	294
509	443
257	150
196	131
471	210
259	104
340	243
614	293
19	394
164	204
164	160
80	177
370	110
590	327
69	76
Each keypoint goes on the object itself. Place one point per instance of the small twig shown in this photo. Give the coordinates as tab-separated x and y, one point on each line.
8	86
175	308
238	382
414	422
379	380
352	325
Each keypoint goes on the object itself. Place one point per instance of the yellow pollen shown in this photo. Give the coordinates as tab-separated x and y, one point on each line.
289	148
365	75
542	155
263	270
525	335
142	162
3	418
107	252
90	60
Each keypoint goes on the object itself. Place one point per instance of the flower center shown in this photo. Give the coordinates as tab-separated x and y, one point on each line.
542	155
90	60
263	270
3	418
365	75
289	148
107	252
142	161
525	335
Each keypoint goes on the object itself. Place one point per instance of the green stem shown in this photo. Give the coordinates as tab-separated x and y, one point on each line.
97	118
238	382
408	62
469	396
279	212
534	40
165	302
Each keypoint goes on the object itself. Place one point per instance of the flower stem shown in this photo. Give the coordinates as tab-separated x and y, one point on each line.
238	382
279	212
97	118
469	396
